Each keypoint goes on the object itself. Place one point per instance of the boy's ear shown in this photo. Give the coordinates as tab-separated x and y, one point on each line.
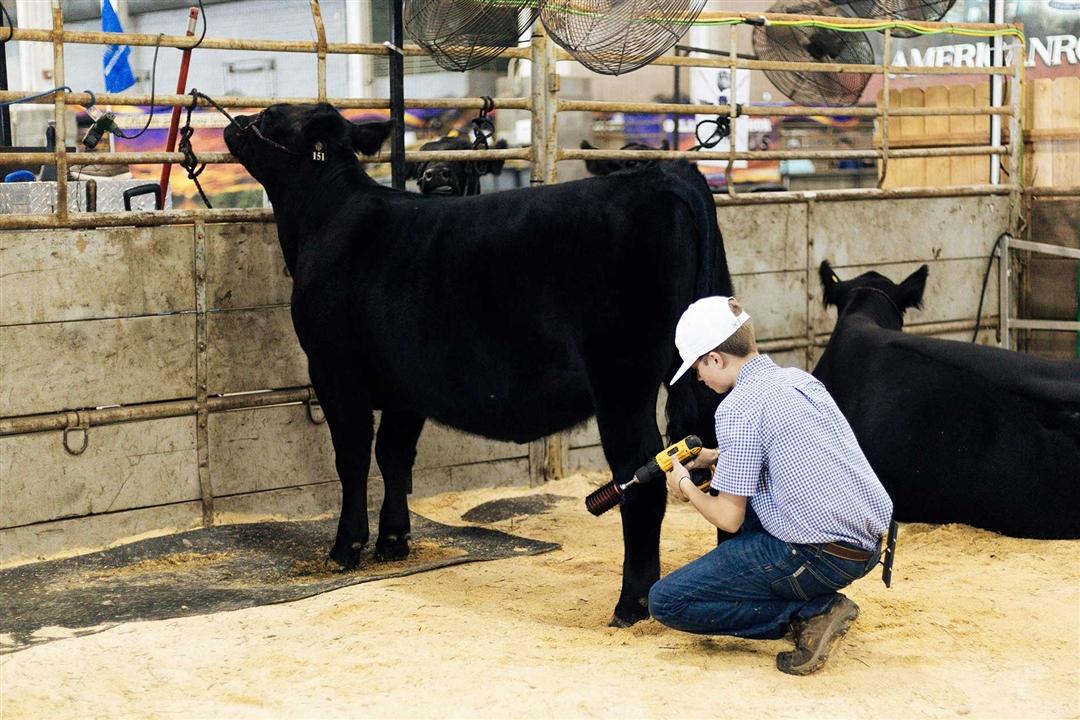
829	281
368	137
910	292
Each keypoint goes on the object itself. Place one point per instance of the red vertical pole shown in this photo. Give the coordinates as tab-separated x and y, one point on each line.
181	87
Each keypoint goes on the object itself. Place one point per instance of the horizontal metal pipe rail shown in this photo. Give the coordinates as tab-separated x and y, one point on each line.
241	101
1053	191
707	155
744	64
607	106
135	219
183	42
212	158
852	22
150	411
802	196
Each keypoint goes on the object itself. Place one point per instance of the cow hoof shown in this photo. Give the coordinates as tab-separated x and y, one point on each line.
391	547
628	614
347	558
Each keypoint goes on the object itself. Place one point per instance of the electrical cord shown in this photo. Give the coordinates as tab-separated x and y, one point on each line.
986	279
202	12
10	24
36	96
153	83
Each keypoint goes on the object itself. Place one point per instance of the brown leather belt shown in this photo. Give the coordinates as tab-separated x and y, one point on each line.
843	551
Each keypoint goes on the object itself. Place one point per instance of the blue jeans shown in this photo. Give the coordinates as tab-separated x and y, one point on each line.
753	586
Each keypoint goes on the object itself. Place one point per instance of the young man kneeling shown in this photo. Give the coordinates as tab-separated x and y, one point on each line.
791	480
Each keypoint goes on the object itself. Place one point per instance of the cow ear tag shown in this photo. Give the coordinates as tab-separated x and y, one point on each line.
317	154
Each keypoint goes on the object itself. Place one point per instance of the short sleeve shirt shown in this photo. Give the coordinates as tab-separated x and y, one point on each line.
785	445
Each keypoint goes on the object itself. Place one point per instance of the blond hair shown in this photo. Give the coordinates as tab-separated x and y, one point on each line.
743	341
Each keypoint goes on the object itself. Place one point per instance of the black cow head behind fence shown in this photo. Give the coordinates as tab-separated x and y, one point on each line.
512	315
452	177
606	167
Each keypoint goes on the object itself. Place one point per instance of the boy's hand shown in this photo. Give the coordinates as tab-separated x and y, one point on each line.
704	459
675	478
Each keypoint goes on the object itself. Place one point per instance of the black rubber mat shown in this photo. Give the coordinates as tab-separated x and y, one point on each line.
227	567
506	508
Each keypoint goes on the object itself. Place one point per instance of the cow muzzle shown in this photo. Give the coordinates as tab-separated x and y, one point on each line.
438	180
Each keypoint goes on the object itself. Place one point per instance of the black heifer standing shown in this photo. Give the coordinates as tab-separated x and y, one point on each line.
452	177
957	432
512	315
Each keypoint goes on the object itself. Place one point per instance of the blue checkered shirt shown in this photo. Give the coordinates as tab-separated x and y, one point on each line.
785	445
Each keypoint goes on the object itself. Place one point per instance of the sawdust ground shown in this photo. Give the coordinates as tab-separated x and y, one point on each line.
976	625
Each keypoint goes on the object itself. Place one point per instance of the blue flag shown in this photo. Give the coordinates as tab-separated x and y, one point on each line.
118	76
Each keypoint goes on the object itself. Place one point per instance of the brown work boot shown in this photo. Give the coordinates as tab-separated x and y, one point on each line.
816	637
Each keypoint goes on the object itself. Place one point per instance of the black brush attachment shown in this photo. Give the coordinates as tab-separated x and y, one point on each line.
604	498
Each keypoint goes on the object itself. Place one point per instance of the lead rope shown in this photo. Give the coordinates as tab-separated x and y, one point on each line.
190	162
483	130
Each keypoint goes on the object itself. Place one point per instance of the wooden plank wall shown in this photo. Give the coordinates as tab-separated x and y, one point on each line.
109	317
938	131
1051	134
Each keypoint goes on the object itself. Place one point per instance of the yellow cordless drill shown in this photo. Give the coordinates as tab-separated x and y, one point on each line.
610	495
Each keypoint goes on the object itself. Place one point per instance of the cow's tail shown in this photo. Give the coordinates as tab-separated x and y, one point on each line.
712	277
690	404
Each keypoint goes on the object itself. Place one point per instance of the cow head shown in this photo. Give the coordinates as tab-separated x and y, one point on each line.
606	167
872	287
452	177
288	138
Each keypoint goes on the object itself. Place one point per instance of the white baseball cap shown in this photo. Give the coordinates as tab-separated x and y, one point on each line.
704	325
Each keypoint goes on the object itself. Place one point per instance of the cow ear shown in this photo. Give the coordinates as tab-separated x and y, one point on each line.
829	283
324	126
665	145
368	137
586	145
910	293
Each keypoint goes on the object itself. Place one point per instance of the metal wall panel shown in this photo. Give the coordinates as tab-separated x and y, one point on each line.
254	350
245	267
74	536
763	238
268	448
57	275
896	231
89	363
124	466
776	301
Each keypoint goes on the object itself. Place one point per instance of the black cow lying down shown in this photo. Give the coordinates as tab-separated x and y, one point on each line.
452	177
957	432
512	315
